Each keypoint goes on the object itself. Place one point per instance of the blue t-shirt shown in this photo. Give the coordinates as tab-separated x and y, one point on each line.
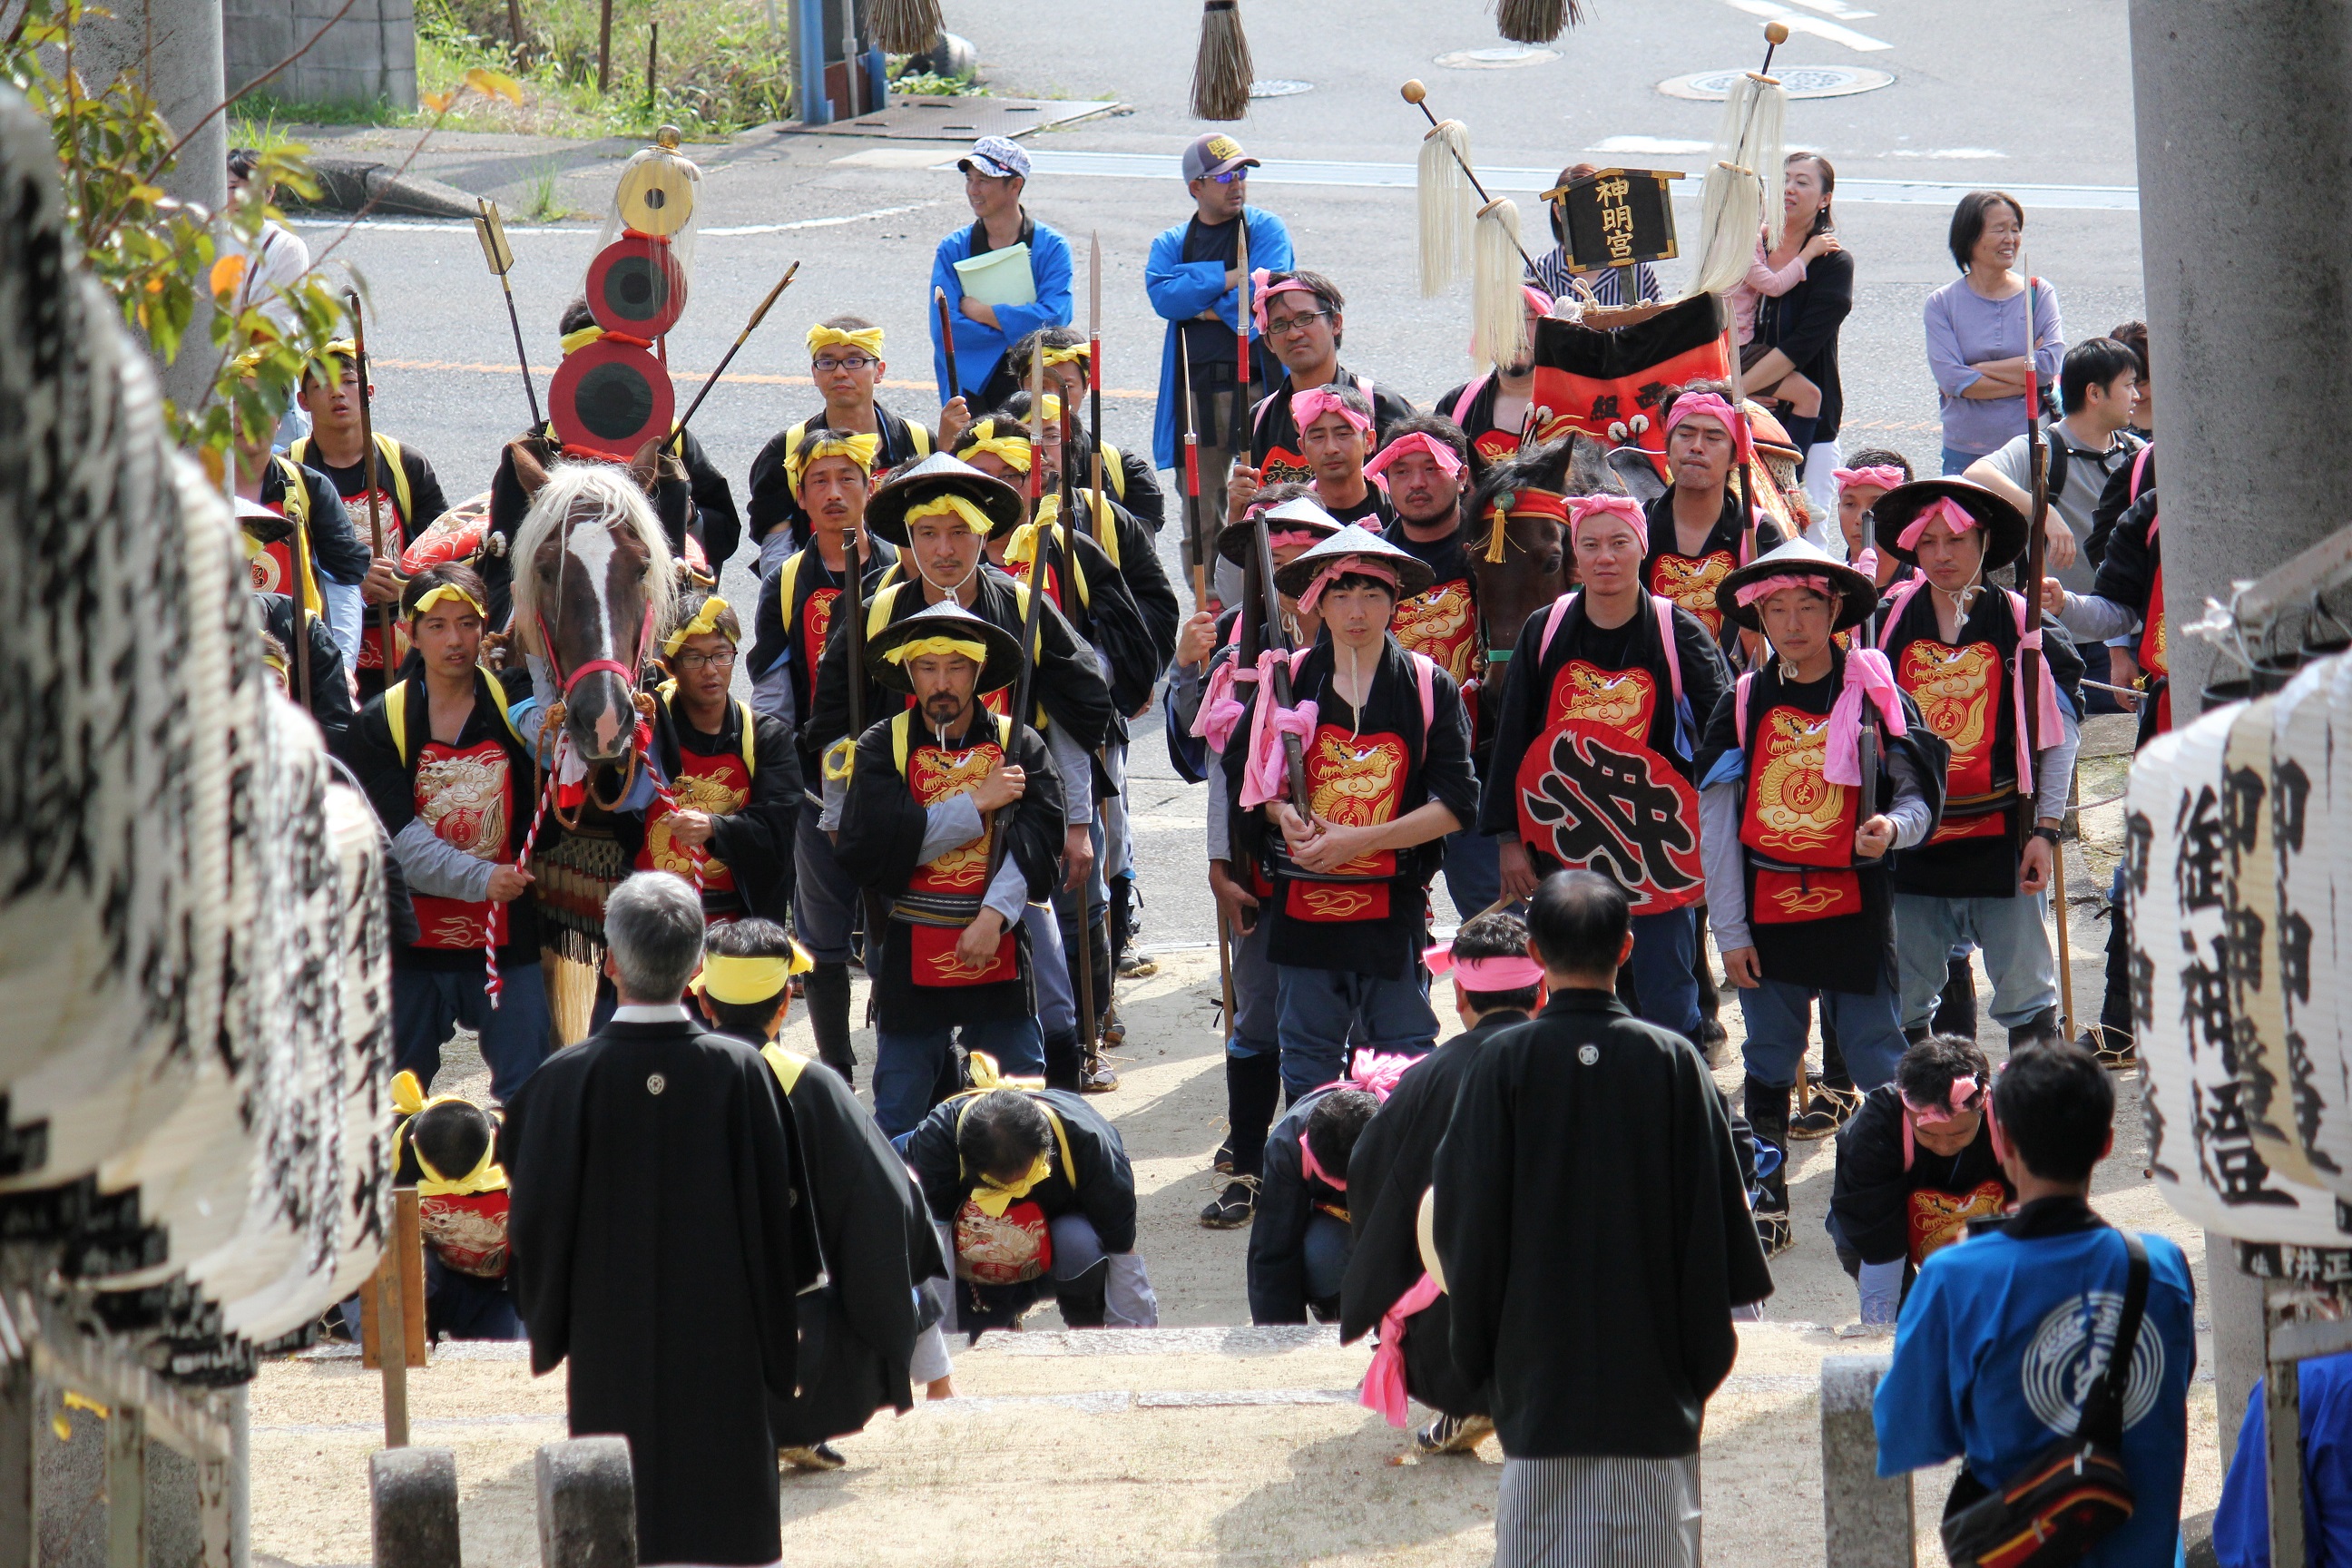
2241	1525
1998	1342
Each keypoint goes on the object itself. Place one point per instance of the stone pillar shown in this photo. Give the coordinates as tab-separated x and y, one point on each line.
1867	1516
172	49
2245	167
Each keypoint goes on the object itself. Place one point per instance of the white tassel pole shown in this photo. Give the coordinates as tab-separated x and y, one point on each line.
1448	211
1497	312
1737	203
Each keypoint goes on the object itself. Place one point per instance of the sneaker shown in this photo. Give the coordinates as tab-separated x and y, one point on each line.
1453	1435
1829	1111
1133	965
1097	1078
1772	1230
1234	1207
822	1457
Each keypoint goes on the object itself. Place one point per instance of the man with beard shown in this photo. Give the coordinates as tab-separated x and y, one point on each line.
1698	530
331	392
1421	471
1492	408
1596	738
845	361
931	790
832	474
1298	314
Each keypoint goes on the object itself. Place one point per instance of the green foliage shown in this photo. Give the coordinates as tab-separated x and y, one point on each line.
161	260
930	84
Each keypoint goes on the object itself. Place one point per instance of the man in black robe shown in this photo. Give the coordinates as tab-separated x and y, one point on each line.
1592	1228
864	1339
660	1242
1496	986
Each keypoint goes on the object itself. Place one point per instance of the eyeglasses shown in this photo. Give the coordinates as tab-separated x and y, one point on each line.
1280	326
853	363
694	663
1228	177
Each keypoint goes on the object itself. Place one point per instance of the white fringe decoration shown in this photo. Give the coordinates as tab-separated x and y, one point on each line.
1446	206
1742	193
1498	306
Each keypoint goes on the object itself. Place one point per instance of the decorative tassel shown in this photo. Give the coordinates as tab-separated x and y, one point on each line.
1730	212
1222	72
1498	306
1536	21
1736	202
905	27
1448	210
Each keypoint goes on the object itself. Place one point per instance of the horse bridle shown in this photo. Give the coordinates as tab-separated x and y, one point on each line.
566	684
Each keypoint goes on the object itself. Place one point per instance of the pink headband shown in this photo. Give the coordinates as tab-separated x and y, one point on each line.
1416	441
1347	566
1954	516
1514	971
1764	587
1706	404
1582	507
1310	1166
1962	1097
1262	290
1883	477
1308	406
1294	536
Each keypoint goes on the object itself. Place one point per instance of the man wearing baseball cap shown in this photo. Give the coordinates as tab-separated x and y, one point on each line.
1194	280
995	172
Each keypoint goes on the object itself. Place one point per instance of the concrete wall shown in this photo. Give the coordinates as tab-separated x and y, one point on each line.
370	54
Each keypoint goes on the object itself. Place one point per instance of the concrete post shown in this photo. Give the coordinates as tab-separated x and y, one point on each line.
2245	168
1868	1518
415	1496
587	1504
172	49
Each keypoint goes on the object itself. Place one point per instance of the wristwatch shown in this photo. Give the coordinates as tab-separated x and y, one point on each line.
2050	834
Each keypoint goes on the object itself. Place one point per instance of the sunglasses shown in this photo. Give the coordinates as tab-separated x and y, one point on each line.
1228	177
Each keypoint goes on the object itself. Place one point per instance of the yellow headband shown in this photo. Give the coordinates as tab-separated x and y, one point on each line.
336	354
705	622
1012	451
409	1102
277	661
916	648
992	1197
573	342
441	590
952	506
858	449
733	982
1074	354
866	340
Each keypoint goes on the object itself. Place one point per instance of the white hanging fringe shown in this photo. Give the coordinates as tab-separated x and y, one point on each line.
1497	312
1742	193
1446	206
1730	210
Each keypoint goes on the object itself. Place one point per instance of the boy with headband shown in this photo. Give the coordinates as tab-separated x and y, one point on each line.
1697	531
846	364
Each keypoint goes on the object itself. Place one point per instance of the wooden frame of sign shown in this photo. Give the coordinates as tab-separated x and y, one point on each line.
1616	217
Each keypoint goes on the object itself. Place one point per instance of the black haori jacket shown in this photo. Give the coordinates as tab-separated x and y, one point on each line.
1594	1233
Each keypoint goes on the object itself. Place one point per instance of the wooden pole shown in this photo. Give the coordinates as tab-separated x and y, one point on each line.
652	62
386	661
604	47
392	1315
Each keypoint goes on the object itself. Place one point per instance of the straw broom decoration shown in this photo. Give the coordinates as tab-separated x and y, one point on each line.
1536	21
905	27
1485	237
1222	72
1748	147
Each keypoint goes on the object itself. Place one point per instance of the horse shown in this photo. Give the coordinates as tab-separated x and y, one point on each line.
596	581
1523	559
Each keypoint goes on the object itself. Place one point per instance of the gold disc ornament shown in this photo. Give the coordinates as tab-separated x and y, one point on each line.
656	195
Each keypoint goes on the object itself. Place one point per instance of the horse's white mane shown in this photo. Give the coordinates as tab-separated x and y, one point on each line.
596	494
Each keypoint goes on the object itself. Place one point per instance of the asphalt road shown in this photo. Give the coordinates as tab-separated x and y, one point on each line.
2019	93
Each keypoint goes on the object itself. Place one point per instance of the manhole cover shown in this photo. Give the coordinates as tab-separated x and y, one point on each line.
1803	81
1502	57
1280	86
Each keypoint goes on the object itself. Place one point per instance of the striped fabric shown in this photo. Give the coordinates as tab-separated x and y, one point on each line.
1585	1512
1552	275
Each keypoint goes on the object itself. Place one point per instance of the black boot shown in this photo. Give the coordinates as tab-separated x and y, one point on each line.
1252	1088
2040	1029
1767	1115
1065	1060
1122	891
1098	1076
827	992
1711	1034
1956	1009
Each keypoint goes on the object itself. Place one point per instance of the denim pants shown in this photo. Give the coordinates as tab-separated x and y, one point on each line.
1326	1250
1316	1008
1956	462
1058	1005
1257	991
1665	953
1779	1017
825	898
2009	932
428	1005
908	1062
1474	871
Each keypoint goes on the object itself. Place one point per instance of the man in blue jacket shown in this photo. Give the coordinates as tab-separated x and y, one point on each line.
995	172
1194	280
2003	1333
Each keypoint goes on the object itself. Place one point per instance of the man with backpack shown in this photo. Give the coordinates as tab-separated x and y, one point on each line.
2003	1352
2095	388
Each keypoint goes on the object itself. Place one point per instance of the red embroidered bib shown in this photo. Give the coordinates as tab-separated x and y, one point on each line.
1441	627
395	539
1592	795
1796	816
934	776
1006	1249
467	799
1354	782
1959	693
720	786
1691	583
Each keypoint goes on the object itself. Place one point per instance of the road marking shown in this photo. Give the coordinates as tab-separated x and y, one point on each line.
736	231
1797	22
738	378
1837	8
1279	171
1668	144
1959	152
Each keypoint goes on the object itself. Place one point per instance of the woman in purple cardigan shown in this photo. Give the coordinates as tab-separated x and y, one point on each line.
1976	331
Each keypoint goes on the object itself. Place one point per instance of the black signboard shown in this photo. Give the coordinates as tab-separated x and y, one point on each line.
1616	217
